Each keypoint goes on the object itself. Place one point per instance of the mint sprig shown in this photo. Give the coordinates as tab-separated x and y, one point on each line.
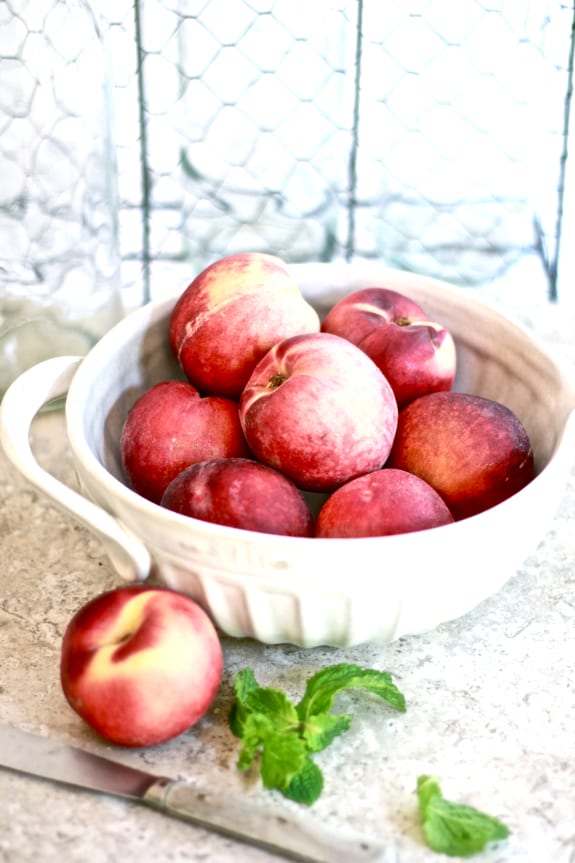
284	735
454	829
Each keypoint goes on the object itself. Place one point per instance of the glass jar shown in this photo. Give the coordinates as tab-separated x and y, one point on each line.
59	258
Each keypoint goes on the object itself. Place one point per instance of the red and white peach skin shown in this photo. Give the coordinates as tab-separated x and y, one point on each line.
381	503
417	355
170	427
231	314
474	451
319	410
240	493
140	665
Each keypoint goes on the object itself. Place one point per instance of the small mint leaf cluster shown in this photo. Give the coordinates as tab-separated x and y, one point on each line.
284	735
454	829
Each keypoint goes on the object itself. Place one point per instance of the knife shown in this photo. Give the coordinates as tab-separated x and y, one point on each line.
278	832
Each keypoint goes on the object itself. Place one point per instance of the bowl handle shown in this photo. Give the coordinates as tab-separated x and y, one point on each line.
31	391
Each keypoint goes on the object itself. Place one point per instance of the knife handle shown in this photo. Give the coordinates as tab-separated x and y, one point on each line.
279	833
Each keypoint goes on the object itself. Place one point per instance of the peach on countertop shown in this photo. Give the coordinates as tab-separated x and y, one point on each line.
140	665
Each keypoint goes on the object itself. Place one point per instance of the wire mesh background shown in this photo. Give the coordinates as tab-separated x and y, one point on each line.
428	134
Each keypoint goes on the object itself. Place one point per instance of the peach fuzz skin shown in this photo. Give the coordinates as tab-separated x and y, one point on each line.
474	451
170	427
140	665
230	315
381	503
319	410
240	493
418	356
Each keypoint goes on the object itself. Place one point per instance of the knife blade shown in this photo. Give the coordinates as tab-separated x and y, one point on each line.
281	833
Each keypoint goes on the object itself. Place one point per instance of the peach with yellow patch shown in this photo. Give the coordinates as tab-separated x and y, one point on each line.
140	665
231	314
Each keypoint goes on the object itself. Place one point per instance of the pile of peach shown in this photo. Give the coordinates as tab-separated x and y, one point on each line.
290	425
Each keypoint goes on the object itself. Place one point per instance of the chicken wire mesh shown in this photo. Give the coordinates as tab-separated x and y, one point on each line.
426	134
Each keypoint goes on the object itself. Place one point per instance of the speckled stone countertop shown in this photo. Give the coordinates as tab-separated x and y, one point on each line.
491	704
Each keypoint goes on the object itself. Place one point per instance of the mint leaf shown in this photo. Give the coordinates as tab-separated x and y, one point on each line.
452	828
252	698
322	688
244	683
283	757
319	731
274	704
255	731
307	785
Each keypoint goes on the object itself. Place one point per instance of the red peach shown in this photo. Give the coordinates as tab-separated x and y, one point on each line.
140	665
170	427
474	451
381	503
232	313
416	355
240	493
319	410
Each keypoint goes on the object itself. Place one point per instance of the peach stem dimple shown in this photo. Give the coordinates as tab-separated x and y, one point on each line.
276	381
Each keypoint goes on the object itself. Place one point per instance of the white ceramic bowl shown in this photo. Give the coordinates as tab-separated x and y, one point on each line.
285	589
